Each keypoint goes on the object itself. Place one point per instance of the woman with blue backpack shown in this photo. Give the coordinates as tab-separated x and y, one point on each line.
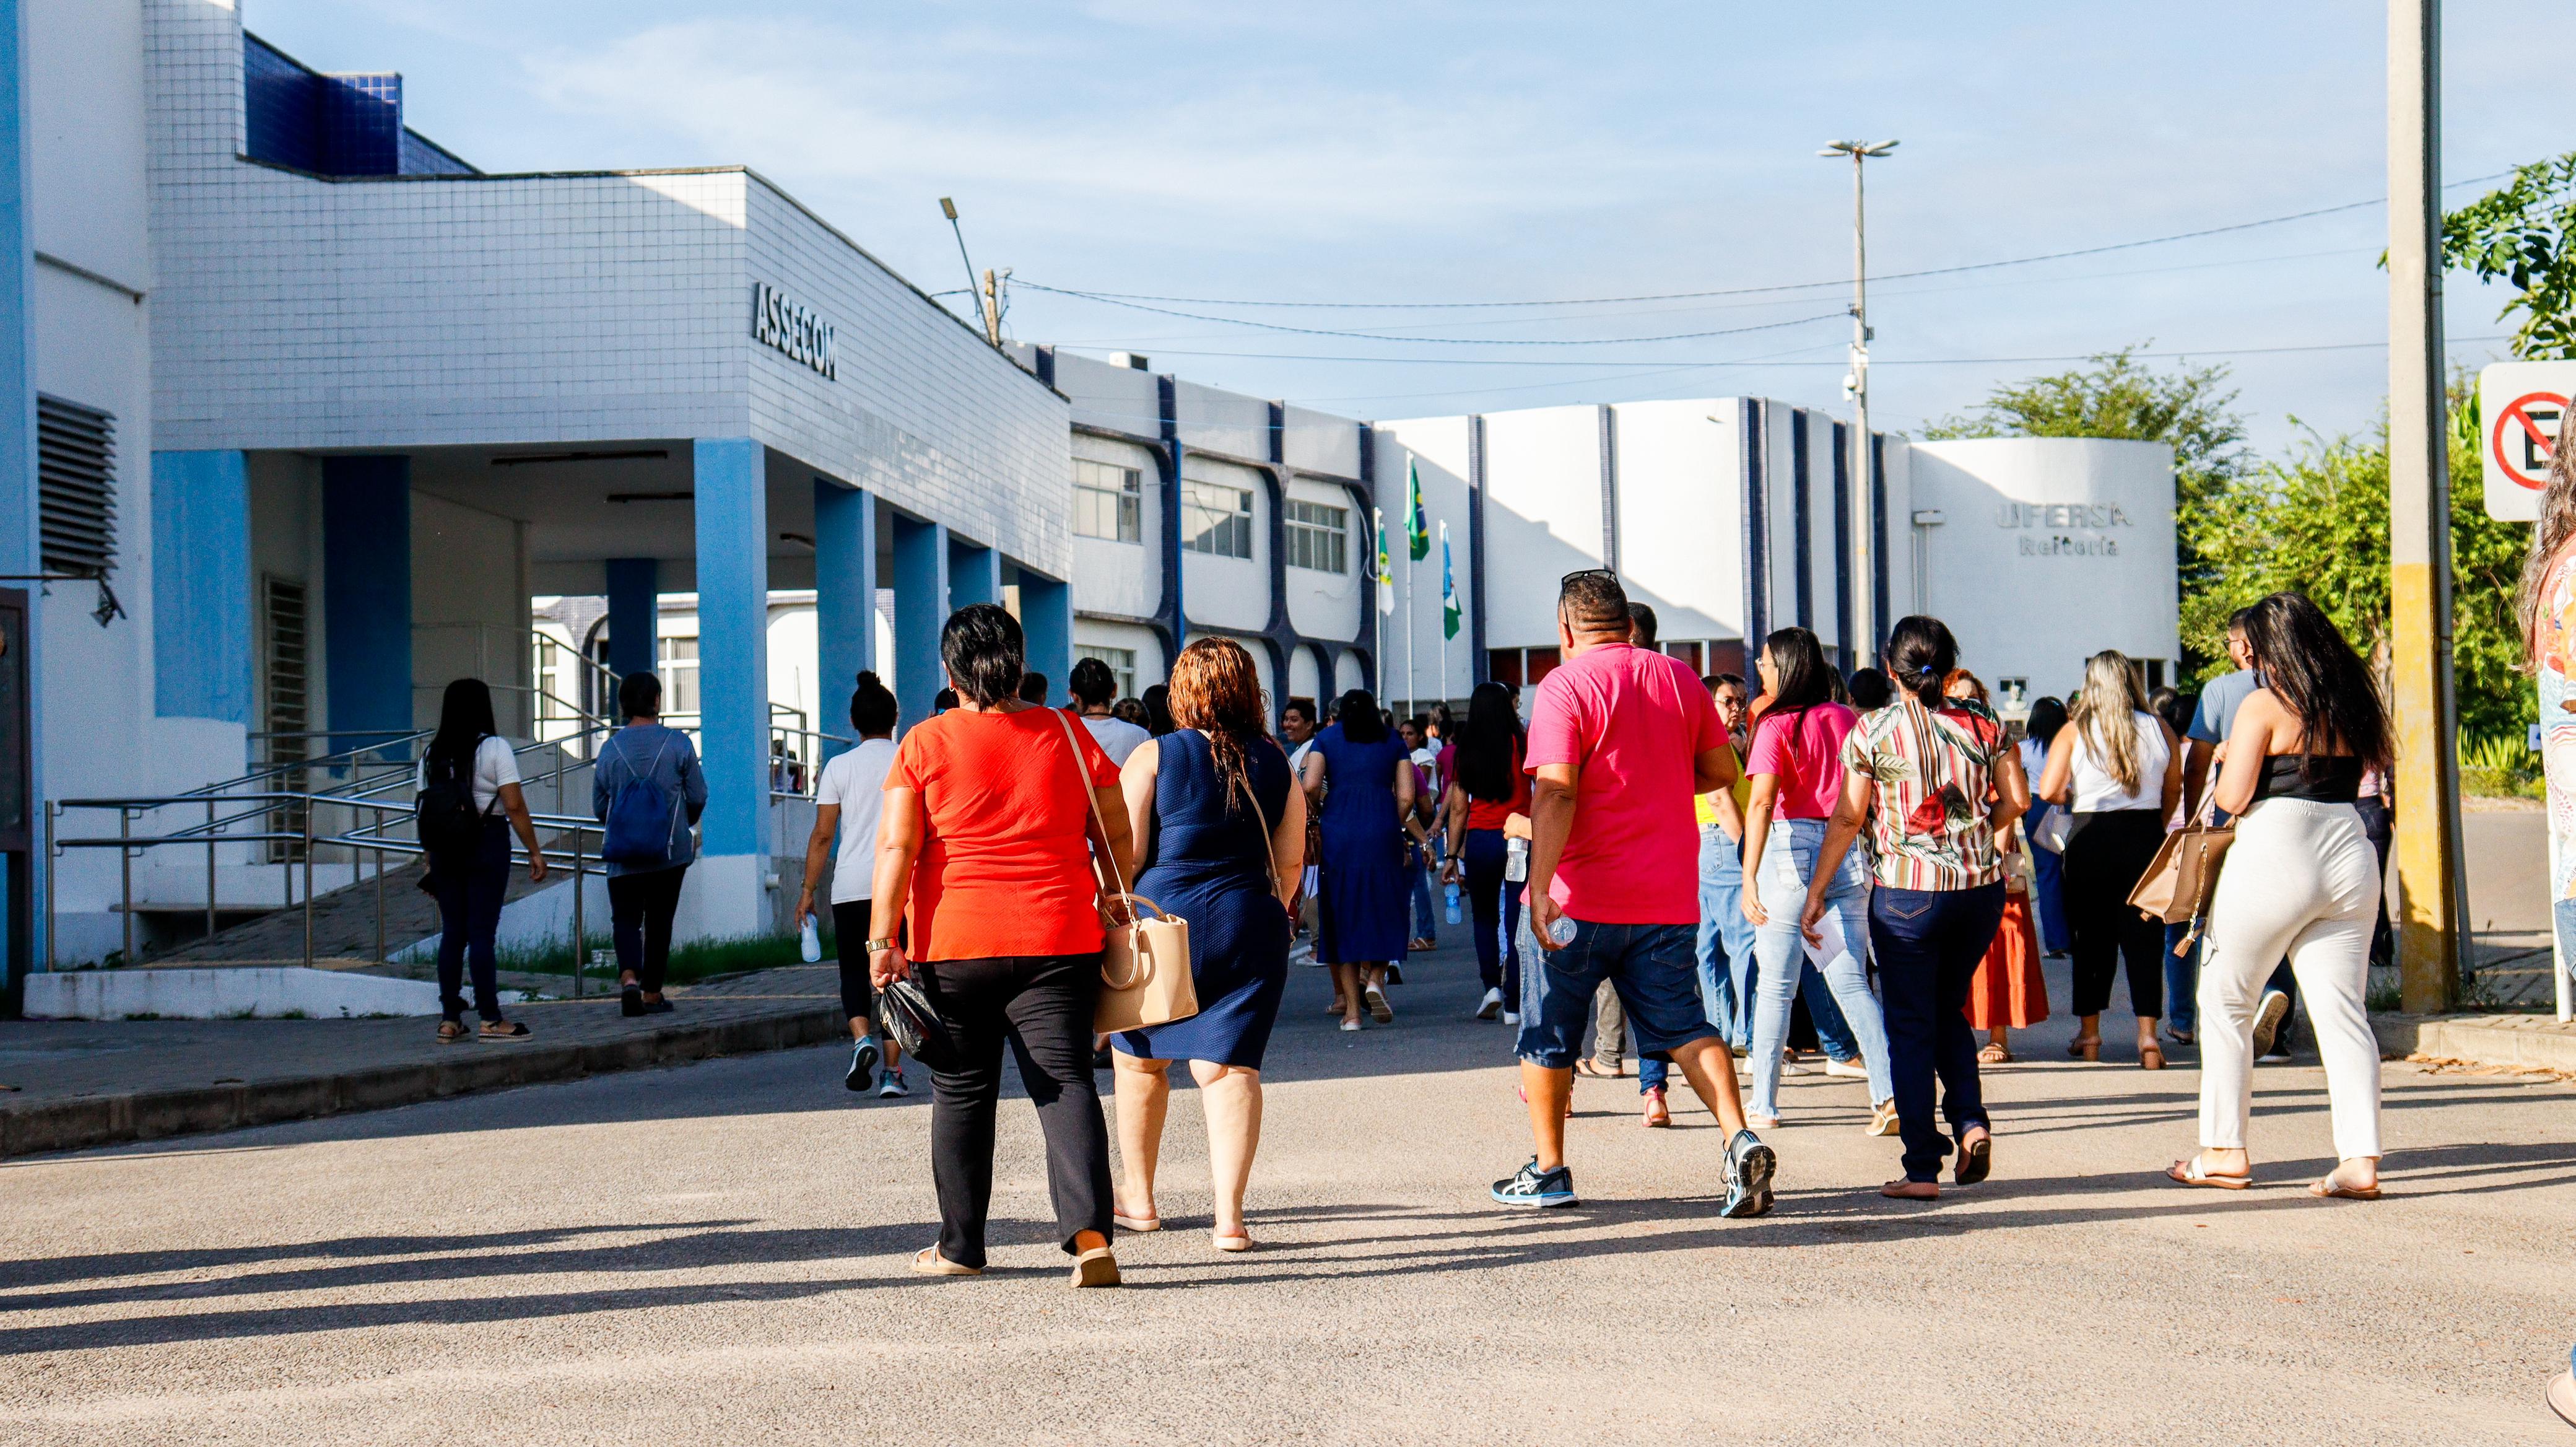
467	774
647	789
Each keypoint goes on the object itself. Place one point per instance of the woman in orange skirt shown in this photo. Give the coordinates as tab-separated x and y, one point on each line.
2009	992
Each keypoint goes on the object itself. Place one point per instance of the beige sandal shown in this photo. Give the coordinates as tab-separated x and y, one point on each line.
2189	1173
1095	1267
928	1262
2330	1187
1239	1241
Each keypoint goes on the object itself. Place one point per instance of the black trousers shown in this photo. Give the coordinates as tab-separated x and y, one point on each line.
850	937
640	907
1043	1003
1927	944
470	890
2107	853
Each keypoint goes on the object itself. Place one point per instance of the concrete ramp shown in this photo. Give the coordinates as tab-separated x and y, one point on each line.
221	993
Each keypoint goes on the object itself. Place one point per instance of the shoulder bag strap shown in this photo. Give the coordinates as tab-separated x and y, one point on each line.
1082	777
1268	845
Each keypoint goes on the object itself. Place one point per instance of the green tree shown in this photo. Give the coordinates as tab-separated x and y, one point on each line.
2524	234
2316	522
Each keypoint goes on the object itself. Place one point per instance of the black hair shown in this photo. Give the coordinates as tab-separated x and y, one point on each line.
1359	719
1805	678
1592	601
2047	716
2307	663
984	652
1033	688
1131	710
873	710
1444	720
1303	705
1920	654
639	695
2167	703
944	700
465	720
1158	710
1641	624
1091	683
1871	691
1487	750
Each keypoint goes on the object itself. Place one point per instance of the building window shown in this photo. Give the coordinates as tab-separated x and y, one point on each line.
1108	502
1319	537
1503	665
1216	520
1690	653
1121	661
76	487
679	669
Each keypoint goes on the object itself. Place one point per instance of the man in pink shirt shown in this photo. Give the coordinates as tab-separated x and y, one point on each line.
1620	742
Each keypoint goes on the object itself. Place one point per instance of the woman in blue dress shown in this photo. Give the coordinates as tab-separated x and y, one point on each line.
1361	772
1225	841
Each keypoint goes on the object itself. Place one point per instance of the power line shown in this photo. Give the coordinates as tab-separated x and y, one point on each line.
1765	362
1434	341
1127	298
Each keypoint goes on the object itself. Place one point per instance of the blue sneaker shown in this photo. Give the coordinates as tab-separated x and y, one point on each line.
1531	1186
1749	1164
863	1066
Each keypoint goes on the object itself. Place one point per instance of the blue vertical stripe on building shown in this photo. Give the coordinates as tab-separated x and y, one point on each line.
1482	665
201	586
974	574
634	614
1752	428
1801	515
845	600
920	610
1046	621
366	598
1878	540
1849	655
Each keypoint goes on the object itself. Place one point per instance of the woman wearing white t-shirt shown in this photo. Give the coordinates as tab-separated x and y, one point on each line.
472	883
2115	766
849	800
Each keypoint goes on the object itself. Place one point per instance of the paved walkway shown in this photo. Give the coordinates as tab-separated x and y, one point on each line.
76	1082
716	1254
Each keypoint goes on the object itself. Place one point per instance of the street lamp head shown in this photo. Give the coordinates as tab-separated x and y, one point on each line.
1857	149
1881	149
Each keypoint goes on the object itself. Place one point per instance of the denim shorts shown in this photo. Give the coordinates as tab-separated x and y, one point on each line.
1655	969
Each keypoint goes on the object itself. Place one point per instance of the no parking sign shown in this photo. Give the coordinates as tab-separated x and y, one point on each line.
2521	408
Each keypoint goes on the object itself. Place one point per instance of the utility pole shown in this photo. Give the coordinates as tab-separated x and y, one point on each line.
1866	623
2419	521
992	309
992	313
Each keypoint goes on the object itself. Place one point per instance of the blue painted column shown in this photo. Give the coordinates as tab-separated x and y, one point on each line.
634	611
366	598
920	610
974	574
1046	619
201	586
845	600
733	687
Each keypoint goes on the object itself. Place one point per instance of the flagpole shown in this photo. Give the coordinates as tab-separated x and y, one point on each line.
1410	687
1445	585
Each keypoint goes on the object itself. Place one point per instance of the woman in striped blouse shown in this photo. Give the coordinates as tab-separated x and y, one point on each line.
1935	780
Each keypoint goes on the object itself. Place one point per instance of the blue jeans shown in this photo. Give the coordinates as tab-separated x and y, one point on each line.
1929	943
1651	967
1788	865
2049	900
2182	981
1725	935
1494	905
470	890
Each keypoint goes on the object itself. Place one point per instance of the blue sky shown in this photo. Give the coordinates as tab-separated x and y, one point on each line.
1417	152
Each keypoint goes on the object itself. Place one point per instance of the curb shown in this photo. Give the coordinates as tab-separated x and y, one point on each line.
97	1120
2523	1042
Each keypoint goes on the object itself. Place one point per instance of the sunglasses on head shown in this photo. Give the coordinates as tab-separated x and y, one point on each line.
1610	573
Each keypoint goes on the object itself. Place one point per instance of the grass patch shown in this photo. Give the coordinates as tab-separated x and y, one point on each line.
691	962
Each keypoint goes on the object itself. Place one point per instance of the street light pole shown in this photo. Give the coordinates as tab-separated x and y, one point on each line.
1865	562
2419	523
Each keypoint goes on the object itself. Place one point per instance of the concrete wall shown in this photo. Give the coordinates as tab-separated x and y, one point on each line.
1679	513
1321	604
1542	515
469	608
1115	577
1233	592
2051	549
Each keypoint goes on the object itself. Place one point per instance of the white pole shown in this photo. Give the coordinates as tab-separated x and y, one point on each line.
1865	619
1410	688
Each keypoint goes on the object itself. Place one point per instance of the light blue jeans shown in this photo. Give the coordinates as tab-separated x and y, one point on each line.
1725	935
1788	862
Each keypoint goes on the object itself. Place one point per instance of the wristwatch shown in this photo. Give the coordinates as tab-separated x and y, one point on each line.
884	944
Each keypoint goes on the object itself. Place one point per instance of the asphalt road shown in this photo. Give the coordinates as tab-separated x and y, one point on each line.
715	1254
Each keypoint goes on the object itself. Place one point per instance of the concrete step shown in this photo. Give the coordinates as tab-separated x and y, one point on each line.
2522	1042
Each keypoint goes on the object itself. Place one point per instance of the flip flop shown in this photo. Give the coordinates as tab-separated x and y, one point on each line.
2189	1173
1095	1267
1126	1222
1241	1241
2327	1188
1994	1055
2562	1397
1976	1160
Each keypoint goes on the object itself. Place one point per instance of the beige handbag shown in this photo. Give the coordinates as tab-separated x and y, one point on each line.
1145	963
2178	885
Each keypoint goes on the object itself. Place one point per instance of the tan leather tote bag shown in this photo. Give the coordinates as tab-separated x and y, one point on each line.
1145	964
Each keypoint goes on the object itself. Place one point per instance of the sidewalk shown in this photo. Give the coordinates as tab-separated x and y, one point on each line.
2516	1042
76	1083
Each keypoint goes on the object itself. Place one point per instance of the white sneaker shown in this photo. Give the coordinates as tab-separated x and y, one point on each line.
1511	1017
1492	1006
1351	1025
1847	1069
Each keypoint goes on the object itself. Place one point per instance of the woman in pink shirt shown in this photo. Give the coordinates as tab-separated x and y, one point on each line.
1796	775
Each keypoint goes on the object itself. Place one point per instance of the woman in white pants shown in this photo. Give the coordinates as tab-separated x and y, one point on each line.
2301	878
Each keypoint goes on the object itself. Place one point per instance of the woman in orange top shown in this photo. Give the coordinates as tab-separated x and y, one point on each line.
986	850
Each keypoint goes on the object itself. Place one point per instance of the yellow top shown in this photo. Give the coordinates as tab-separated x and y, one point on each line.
1742	789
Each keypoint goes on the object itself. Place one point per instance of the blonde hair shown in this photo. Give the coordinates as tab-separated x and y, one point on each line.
2105	714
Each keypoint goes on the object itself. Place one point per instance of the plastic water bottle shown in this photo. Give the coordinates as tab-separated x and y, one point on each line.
1562	931
1516	859
809	942
1454	916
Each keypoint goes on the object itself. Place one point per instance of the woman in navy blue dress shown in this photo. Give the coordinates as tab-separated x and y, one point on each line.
1365	778
1225	840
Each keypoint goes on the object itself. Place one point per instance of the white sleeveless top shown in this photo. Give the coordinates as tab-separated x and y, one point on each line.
2097	792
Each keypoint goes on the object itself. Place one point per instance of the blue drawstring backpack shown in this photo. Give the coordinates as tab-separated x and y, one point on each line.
646	823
